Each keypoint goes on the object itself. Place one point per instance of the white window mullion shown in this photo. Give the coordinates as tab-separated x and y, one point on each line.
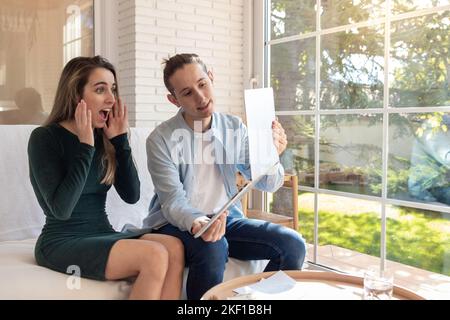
317	132
385	143
364	111
419	109
259	76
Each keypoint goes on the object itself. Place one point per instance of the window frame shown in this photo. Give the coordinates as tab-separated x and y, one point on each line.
263	7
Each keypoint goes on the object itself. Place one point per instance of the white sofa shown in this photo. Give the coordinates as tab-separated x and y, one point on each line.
21	220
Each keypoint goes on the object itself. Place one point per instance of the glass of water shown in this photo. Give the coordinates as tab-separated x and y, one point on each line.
378	284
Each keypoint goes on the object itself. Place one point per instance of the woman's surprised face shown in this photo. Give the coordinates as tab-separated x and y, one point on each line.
100	94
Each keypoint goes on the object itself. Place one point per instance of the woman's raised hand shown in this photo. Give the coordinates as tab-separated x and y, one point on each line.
117	121
83	123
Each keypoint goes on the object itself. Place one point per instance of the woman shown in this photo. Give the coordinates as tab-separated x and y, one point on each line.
74	159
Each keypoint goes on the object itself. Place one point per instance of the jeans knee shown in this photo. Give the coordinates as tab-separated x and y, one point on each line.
295	250
212	253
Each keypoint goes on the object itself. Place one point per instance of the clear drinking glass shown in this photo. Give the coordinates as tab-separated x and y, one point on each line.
378	284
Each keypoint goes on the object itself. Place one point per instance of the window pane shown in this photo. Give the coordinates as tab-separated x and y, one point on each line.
33	49
421	239
350	153
352	76
291	17
420	60
299	155
343	12
352	72
78	36
349	230
402	6
293	75
419	157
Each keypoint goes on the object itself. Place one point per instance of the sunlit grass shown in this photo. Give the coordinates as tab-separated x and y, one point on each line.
417	238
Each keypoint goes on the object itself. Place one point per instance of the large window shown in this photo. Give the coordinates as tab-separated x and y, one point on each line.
36	39
362	88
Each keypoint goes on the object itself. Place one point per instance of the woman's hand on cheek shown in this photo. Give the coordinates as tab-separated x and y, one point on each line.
117	123
83	123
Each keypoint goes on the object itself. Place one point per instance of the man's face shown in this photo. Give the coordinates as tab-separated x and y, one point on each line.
193	91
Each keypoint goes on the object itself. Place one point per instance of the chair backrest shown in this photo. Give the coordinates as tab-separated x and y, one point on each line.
240	183
284	201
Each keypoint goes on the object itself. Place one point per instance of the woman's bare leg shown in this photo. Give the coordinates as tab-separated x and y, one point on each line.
148	260
174	277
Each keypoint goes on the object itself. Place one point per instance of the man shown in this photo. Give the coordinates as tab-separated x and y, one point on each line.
193	159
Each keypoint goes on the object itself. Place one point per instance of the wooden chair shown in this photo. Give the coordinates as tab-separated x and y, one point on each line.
289	217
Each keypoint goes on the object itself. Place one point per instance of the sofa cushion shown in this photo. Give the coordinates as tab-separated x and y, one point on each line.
21	216
22	278
119	212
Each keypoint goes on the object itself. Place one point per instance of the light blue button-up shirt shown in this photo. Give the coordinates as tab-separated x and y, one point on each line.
171	160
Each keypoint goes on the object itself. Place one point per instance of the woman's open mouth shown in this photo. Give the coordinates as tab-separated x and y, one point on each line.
104	114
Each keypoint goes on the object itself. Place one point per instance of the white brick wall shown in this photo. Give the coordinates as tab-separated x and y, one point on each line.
150	30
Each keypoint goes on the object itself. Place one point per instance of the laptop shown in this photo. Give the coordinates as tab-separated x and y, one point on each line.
230	202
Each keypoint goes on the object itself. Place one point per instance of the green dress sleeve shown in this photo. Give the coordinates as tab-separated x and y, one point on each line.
126	180
59	186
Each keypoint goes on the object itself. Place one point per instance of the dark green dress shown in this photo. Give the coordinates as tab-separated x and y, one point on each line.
66	176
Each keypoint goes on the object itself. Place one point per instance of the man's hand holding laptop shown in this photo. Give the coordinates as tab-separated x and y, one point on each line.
215	232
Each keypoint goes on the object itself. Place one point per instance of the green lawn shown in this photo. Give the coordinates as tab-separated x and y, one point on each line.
417	238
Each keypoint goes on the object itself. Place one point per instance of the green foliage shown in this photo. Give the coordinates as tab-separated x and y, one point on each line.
397	181
352	61
420	53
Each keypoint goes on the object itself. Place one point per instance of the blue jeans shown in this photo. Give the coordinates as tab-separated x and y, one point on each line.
245	239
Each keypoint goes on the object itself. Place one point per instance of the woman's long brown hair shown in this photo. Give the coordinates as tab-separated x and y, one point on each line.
71	85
